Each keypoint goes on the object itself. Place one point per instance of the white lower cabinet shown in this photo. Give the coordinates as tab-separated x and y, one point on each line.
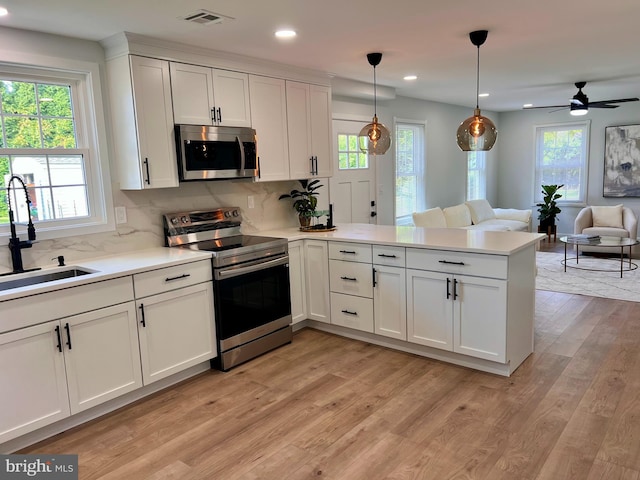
390	301
458	313
176	330
352	312
296	281
316	258
66	366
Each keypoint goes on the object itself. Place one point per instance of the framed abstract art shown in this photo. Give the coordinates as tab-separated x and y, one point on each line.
622	161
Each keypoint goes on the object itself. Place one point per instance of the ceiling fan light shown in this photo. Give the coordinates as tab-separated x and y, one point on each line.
578	110
374	138
477	133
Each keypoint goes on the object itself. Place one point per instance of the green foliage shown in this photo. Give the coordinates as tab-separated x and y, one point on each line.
305	200
548	210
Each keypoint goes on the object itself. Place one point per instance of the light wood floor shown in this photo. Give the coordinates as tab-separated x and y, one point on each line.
333	408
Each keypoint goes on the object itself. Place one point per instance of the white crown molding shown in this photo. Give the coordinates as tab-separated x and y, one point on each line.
131	43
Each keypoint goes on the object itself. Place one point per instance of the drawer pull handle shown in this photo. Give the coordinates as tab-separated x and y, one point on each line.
171	279
387	256
351	279
451	263
59	346
66	327
348	312
374	277
142	319
350	252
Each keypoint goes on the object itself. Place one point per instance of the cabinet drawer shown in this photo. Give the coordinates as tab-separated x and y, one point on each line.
351	278
170	278
386	255
477	264
352	312
352	252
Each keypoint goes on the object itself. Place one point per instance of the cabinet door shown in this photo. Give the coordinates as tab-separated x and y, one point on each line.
32	380
429	311
321	134
299	127
317	280
297	281
390	302
269	119
176	331
480	318
103	357
231	98
154	122
192	91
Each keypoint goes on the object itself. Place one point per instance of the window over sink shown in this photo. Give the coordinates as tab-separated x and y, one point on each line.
48	138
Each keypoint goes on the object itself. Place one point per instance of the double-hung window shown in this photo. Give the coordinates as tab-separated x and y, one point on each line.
476	175
410	165
48	140
562	159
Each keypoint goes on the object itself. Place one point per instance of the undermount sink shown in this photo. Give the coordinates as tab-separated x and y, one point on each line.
35	278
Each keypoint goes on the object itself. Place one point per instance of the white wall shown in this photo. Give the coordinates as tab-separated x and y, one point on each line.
516	153
446	170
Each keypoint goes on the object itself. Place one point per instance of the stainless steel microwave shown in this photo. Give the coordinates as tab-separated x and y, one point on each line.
214	153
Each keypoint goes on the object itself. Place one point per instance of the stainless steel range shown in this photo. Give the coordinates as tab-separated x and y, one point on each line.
250	282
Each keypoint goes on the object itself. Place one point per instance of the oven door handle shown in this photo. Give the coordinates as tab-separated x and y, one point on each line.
242	157
222	274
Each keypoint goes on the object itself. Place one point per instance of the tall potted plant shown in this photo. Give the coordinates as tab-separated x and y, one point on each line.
548	210
305	200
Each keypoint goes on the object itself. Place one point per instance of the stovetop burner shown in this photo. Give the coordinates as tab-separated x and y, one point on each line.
218	231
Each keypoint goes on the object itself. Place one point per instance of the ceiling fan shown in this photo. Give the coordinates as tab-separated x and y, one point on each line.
580	104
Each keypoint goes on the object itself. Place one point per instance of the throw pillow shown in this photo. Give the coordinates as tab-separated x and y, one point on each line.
457	216
480	210
430	218
607	216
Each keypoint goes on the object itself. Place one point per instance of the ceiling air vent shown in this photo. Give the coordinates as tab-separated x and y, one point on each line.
205	17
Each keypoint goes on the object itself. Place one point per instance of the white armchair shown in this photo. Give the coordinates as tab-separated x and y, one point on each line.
609	221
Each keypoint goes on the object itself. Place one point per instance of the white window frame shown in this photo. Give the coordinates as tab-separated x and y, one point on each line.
90	133
419	172
482	173
584	169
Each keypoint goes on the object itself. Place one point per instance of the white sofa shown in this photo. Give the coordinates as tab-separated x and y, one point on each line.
475	215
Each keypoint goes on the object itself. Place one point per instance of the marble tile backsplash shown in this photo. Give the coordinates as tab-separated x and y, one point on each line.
144	219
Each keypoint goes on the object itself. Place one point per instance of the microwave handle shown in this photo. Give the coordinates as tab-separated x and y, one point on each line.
242	158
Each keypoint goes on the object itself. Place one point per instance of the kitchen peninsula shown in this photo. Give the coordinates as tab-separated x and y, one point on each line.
461	296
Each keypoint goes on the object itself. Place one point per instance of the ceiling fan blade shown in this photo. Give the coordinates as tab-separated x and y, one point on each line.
547	106
619	100
604	105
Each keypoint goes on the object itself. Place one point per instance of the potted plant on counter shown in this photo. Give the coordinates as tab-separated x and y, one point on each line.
305	200
548	210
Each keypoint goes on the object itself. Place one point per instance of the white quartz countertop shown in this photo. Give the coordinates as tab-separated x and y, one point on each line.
105	268
455	239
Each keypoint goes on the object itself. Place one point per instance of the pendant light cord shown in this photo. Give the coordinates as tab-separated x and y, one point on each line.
375	93
477	79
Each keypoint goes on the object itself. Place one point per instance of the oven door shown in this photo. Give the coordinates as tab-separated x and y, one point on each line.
251	300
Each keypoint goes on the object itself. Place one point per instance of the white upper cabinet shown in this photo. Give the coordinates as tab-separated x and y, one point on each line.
269	117
142	121
309	127
206	96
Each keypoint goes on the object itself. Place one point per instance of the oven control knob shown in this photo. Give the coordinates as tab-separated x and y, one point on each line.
175	221
236	213
227	214
184	219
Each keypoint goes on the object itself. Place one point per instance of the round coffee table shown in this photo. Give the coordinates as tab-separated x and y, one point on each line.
612	242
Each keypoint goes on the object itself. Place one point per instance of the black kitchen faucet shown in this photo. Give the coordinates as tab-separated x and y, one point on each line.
15	244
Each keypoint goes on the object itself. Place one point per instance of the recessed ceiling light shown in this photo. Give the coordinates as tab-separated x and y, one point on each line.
3	12
527	105
483	95
411	77
286	33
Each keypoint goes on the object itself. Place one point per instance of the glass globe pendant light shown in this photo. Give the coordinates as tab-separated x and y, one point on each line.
374	138
477	133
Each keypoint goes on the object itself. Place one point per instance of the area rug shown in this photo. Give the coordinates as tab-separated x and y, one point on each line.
551	276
